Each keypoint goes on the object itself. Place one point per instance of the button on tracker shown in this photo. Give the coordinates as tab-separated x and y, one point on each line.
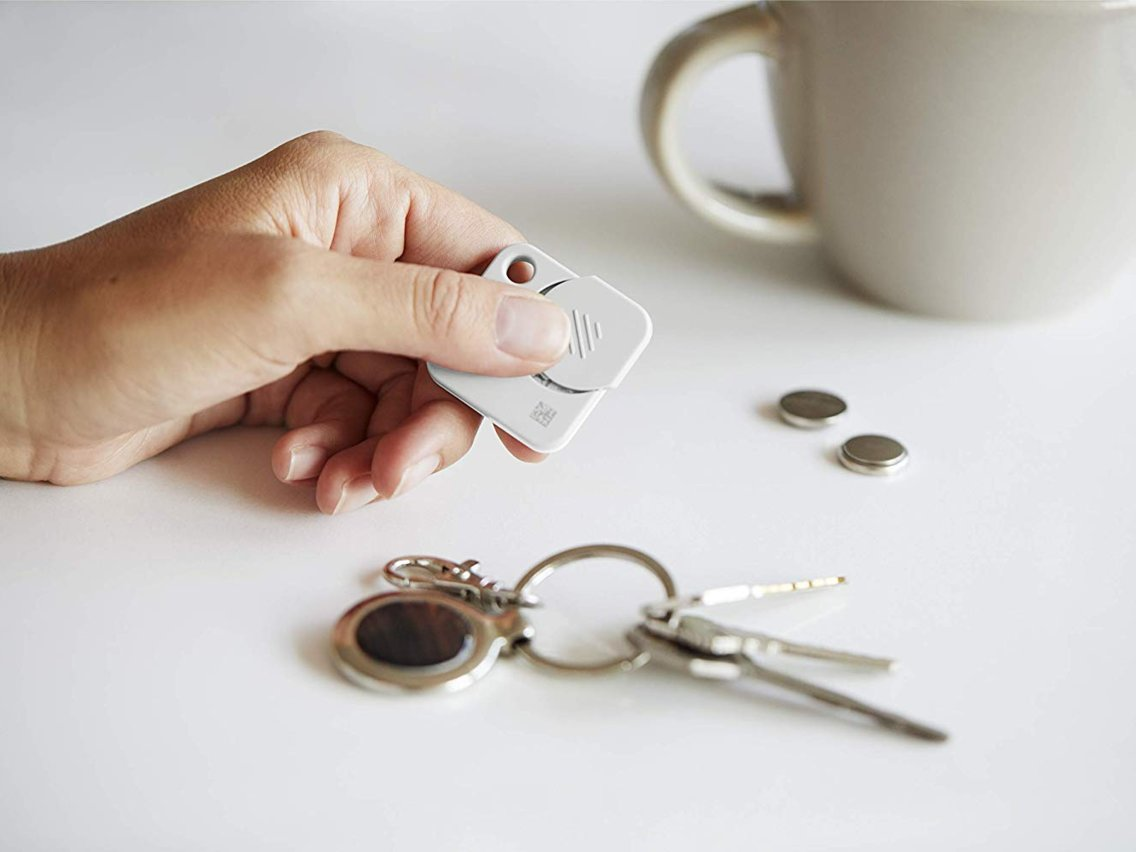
609	332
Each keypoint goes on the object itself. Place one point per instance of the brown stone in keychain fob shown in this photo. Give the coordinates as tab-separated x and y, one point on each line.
414	633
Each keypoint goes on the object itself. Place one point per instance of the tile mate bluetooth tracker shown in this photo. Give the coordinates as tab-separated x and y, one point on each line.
609	332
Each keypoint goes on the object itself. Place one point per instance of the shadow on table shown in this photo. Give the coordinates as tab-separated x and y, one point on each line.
235	461
769	704
313	648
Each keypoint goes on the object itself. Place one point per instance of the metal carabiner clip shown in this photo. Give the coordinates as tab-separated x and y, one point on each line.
458	579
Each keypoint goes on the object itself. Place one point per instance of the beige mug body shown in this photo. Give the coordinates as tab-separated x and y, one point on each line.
962	159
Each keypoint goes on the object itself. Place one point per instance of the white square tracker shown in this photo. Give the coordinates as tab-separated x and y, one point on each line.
609	333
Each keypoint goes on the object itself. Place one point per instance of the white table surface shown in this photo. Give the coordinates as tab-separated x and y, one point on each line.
163	647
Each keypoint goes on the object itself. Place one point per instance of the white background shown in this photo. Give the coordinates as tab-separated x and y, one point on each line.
163	634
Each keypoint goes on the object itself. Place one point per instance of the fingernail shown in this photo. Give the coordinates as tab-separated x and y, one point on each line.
305	462
416	472
356	492
530	328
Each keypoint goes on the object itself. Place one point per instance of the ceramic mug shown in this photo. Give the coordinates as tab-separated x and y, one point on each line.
961	159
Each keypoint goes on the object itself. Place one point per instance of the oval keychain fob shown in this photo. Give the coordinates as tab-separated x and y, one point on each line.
609	333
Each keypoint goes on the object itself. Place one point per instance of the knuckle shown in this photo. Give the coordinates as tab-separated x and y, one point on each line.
443	302
316	141
311	153
329	158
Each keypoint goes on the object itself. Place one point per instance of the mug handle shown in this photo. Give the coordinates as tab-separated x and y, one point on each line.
679	65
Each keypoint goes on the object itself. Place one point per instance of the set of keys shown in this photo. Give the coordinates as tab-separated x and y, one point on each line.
691	643
446	625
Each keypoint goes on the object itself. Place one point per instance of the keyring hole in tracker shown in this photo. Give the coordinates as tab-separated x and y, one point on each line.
521	271
587	607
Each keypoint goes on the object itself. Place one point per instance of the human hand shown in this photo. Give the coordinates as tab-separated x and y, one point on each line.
305	289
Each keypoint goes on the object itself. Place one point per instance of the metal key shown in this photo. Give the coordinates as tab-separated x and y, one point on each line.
664	609
736	666
705	635
667	619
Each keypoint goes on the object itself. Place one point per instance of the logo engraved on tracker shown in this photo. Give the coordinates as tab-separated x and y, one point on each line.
543	414
586	332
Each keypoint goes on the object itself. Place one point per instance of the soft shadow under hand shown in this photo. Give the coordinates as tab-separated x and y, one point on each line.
236	460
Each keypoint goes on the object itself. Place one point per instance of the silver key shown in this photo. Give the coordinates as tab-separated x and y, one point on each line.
666	619
736	666
735	594
709	637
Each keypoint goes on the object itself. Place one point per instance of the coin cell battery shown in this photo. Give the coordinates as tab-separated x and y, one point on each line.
609	333
873	454
811	409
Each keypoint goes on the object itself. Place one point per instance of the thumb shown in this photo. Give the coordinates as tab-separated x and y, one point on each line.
460	321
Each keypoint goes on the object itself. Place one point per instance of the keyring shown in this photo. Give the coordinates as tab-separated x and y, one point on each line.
448	624
543	569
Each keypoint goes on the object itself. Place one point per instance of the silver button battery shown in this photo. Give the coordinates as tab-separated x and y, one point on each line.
811	409
873	454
